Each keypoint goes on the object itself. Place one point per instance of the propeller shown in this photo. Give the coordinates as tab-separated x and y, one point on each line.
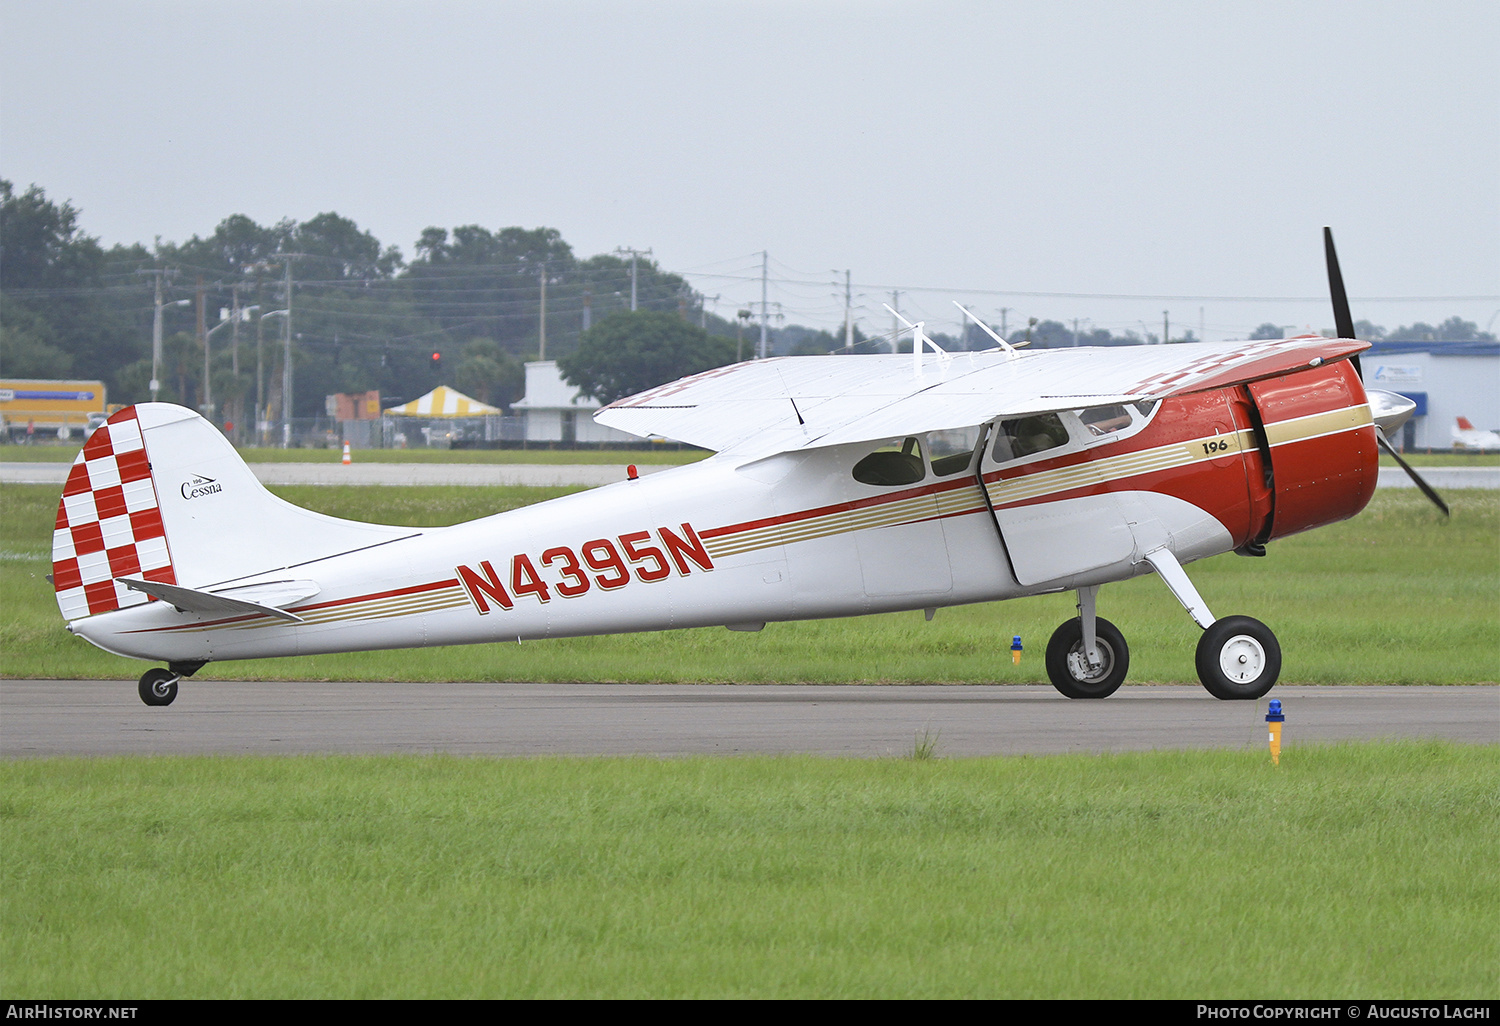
1400	407
1343	320
1437	500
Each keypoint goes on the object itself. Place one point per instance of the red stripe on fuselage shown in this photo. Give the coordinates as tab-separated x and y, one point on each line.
966	481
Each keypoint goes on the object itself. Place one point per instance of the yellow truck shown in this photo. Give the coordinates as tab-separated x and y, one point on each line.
35	410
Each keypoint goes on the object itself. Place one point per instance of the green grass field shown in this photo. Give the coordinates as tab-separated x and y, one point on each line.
1354	871
1350	871
1396	595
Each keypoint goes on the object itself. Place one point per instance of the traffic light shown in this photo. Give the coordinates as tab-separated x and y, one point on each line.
437	363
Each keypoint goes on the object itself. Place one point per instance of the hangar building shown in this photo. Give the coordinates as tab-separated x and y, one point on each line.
1446	380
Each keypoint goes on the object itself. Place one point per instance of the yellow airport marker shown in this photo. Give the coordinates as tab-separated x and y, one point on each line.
1015	650
1275	719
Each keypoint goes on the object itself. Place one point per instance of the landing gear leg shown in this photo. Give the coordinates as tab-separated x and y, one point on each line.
158	686
1087	657
1238	657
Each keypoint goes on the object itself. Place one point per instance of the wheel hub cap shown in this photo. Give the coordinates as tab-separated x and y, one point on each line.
1242	659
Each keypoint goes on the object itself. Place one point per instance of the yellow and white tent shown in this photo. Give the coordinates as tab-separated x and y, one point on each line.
444	402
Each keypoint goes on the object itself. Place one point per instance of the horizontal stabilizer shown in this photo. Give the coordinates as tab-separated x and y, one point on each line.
234	600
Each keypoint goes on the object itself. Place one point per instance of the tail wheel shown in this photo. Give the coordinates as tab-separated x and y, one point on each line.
158	686
1238	658
1068	667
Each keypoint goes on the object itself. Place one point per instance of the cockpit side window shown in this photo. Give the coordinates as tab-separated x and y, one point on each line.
898	463
1107	423
1026	436
1105	420
952	451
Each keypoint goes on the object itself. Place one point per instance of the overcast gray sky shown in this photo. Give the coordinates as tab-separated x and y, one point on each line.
1140	149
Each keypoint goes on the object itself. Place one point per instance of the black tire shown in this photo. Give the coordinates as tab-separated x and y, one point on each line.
158	686
1238	658
1068	669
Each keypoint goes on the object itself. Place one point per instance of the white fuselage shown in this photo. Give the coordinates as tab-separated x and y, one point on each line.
721	542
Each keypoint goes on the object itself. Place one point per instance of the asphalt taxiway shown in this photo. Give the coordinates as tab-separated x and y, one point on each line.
86	718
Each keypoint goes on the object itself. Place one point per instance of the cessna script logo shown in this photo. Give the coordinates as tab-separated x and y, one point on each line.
200	486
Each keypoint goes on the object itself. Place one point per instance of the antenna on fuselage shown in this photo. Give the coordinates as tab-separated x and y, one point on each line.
1010	350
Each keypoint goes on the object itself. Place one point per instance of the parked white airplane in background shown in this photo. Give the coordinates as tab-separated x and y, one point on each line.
1467	436
841	485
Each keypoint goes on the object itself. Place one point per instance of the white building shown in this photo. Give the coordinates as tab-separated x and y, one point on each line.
1446	380
555	412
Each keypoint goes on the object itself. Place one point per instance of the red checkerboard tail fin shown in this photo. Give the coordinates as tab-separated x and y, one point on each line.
159	494
109	523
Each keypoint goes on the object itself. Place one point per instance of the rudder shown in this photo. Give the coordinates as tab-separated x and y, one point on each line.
109	523
159	494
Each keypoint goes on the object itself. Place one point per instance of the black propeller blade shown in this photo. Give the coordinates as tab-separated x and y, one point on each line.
1343	320
1437	500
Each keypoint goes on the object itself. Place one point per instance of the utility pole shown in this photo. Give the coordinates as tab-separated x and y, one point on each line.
634	253
234	330
260	373
848	313
286	356
1004	311
1166	334
156	342
158	273
739	334
765	265
234	359
895	321
205	402
542	327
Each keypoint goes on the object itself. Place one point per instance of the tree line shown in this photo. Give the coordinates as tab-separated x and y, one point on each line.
467	309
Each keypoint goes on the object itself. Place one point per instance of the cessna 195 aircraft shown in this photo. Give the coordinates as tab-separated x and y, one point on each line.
840	485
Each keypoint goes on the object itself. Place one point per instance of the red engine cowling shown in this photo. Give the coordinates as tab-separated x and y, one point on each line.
1316	426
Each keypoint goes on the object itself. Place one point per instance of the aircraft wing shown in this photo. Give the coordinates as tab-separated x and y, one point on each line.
766	406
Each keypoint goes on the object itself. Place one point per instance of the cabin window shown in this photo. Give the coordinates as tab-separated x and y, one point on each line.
899	463
1105	420
952	451
1107	423
1026	436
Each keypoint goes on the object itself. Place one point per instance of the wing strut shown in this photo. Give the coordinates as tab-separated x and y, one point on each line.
1010	350
919	338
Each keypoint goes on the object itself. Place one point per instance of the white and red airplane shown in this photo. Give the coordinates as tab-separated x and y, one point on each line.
841	485
1467	436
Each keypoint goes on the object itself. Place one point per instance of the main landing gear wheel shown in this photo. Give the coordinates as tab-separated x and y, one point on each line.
159	686
1238	657
1068	668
